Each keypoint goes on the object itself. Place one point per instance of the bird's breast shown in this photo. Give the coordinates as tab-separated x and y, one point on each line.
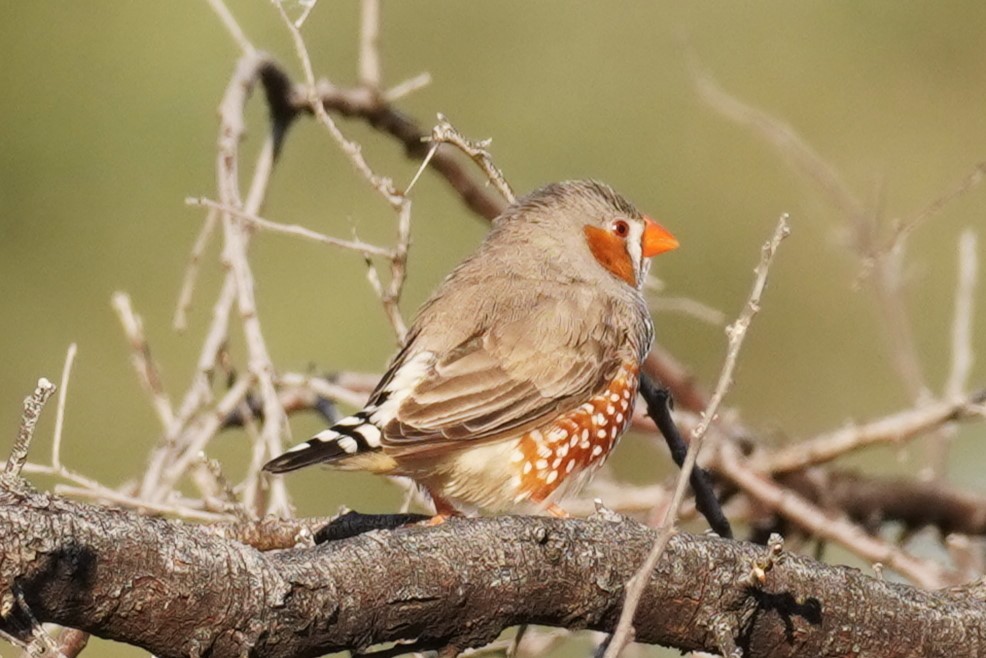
576	443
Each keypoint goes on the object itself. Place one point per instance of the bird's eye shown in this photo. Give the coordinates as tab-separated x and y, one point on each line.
621	228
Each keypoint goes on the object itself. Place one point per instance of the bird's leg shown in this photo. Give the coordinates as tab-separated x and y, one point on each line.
551	508
443	510
557	512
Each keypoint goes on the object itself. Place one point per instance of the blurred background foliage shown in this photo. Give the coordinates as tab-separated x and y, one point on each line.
107	122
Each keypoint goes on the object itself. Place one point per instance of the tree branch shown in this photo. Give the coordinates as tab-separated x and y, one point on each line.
139	580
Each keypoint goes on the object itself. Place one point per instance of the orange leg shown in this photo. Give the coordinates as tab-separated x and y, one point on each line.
551	508
443	510
557	512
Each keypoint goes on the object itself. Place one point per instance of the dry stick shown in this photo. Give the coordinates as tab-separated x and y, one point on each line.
808	516
84	487
262	170
688	307
965	293
236	236
894	428
380	116
184	511
295	230
320	387
56	443
232	26
42	644
352	150
180	322
147	370
445	132
33	404
970	181
783	138
308	6
202	434
71	642
407	87
369	57
735	332
199	392
802	157
256	188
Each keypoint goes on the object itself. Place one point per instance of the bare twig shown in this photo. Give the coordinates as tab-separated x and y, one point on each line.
808	516
307	7
56	443
42	644
369	56
147	370
689	307
970	181
71	642
324	388
445	133
199	436
235	235
735	332
33	404
353	150
882	264
369	72
180	322
965	293
357	102
234	29
295	230
407	87
889	429
106	495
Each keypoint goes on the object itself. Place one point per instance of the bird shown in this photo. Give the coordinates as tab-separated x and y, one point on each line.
520	372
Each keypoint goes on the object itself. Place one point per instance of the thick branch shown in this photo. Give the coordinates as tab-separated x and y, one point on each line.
177	590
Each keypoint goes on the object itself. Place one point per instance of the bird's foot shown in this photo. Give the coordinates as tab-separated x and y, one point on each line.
557	512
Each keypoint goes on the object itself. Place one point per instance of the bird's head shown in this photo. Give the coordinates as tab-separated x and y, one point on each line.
587	219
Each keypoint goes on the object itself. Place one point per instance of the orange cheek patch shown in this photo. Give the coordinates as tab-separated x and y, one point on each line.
611	252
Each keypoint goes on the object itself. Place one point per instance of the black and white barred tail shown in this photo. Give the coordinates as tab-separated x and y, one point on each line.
351	436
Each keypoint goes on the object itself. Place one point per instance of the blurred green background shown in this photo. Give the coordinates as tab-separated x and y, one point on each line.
107	122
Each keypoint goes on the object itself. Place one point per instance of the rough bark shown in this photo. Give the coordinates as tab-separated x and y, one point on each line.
177	590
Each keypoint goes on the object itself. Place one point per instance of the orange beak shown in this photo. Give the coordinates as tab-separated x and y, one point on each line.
657	239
